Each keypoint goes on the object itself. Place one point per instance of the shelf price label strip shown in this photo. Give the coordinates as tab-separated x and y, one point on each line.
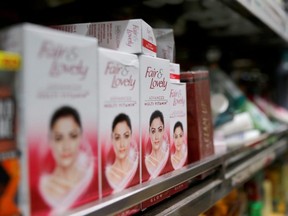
191	200
246	170
9	61
139	193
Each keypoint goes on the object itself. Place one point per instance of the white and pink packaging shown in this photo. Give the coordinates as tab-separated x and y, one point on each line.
118	120
174	72
178	130
165	43
178	122
132	36
57	118
154	120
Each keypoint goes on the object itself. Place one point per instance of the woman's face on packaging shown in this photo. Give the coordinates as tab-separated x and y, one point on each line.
156	133
121	138
178	138
65	141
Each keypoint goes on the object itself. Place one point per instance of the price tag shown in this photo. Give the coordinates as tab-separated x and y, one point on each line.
9	61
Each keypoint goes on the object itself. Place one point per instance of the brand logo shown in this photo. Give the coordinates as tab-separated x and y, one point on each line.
65	60
121	73
157	78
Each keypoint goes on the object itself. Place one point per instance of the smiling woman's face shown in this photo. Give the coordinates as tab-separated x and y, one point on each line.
156	133
65	141
178	138
121	138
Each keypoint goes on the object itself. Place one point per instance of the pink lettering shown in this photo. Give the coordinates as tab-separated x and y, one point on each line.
129	37
55	51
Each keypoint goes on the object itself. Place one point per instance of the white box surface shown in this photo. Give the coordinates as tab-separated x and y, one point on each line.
132	36
174	72
165	43
178	125
154	118
119	119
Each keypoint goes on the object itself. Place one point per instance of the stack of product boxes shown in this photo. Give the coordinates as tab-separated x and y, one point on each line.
143	96
97	114
9	161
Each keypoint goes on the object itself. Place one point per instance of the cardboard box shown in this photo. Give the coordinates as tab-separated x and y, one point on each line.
178	125
174	72
119	120
165	43
55	95
9	182
7	112
132	36
154	120
199	116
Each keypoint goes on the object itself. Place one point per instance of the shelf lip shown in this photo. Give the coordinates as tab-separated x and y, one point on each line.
190	197
253	10
139	193
271	150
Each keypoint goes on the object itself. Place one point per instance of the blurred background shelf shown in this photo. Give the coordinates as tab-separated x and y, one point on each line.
265	13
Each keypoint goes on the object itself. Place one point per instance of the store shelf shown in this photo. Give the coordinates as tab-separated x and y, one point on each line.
139	193
228	170
263	12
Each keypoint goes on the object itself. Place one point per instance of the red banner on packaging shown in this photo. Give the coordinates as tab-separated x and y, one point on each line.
149	45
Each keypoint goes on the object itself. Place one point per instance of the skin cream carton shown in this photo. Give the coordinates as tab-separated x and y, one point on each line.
119	120
132	36
199	115
174	72
178	126
9	66
55	93
154	120
165	43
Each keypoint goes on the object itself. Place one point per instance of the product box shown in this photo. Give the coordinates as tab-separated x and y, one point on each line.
178	130
56	95
178	118
154	120
132	36
9	183
174	72
119	120
178	125
199	116
165	43
7	112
